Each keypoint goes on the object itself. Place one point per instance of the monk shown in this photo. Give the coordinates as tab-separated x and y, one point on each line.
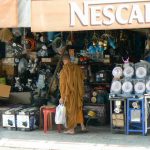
72	91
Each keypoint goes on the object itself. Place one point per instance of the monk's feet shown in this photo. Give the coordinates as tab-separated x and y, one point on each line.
71	131
83	129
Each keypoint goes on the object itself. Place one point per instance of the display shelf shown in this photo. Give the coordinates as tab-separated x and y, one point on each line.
115	129
93	104
95	83
136	126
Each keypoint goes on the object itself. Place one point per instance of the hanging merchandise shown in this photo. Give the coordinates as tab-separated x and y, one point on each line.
8	50
116	87
147	43
22	66
29	44
29	85
17	32
58	45
108	40
111	42
147	48
117	72
95	51
41	81
43	52
17	49
32	66
18	86
5	35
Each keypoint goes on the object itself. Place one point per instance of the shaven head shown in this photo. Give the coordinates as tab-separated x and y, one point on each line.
66	59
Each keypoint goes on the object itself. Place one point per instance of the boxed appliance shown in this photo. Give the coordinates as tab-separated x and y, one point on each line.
9	117
27	119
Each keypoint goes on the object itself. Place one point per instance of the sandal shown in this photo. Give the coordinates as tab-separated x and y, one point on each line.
83	130
69	132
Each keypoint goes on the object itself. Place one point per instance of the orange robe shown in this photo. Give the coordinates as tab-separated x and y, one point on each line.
72	91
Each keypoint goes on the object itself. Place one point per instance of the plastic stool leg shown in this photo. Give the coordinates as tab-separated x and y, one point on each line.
45	122
50	116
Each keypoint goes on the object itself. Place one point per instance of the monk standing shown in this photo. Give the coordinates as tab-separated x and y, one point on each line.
72	91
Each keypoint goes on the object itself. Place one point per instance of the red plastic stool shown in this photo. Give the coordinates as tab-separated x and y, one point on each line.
47	111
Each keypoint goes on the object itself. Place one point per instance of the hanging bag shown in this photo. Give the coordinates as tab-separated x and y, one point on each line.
60	116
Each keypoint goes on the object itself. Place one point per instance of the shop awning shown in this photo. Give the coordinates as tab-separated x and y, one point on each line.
73	15
8	13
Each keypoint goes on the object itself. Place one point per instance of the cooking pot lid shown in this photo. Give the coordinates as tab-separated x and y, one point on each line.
139	87
116	86
128	71
141	72
117	72
127	87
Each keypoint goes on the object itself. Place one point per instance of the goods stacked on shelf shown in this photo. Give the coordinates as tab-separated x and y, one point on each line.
130	80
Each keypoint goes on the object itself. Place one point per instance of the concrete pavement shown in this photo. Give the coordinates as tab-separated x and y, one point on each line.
98	138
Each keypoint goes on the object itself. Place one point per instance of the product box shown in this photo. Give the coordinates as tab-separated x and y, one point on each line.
9	117
118	120
4	91
27	119
118	123
3	109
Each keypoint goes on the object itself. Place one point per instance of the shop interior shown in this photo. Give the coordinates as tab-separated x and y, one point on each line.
30	65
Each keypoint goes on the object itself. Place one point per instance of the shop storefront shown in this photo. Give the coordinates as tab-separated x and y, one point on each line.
107	39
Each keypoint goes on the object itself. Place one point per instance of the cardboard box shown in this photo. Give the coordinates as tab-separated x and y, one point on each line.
9	117
118	120
118	123
4	91
3	109
118	116
26	118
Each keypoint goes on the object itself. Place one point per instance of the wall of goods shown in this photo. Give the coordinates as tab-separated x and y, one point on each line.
28	61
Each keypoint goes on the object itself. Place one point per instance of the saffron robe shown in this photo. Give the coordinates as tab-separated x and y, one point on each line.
72	91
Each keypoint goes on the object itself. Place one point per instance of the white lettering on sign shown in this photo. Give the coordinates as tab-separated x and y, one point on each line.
119	12
108	13
136	14
147	12
95	14
75	10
